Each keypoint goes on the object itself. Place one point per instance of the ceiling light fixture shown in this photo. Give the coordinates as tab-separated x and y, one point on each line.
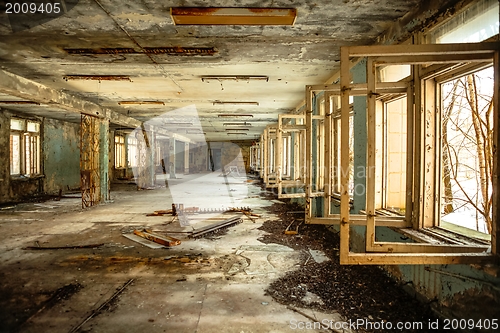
98	77
207	78
234	102
140	102
237	129
237	124
19	102
232	16
169	123
236	133
235	115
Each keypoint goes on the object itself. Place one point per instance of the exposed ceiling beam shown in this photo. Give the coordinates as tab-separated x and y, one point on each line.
21	87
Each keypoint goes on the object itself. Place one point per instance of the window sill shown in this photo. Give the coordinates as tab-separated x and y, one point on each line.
439	236
25	178
465	231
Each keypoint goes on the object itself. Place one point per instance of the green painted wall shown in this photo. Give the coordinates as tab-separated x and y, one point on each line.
61	155
5	156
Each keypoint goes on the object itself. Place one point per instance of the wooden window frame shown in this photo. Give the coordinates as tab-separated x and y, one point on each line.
284	128
120	152
421	96
29	144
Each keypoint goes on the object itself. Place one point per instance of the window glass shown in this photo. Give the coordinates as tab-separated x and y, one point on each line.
395	156
467	151
33	127
133	154
15	154
24	147
477	23
17	124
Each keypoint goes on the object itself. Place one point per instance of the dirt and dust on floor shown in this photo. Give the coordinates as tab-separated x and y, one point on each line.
67	269
321	283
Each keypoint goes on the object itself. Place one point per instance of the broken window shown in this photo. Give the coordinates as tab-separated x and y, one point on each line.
132	151
120	157
24	147
456	119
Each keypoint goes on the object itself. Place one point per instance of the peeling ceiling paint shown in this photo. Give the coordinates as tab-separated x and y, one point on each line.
291	56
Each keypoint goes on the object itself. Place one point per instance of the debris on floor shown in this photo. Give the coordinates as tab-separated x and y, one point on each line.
352	291
318	256
97	311
161	212
163	240
71	247
143	241
216	227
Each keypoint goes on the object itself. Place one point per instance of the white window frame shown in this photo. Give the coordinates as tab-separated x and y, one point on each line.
29	148
120	152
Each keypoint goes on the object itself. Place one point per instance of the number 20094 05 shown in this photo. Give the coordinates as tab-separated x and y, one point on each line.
32	8
455	324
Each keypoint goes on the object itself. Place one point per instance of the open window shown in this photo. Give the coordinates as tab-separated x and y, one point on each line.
290	137
255	153
405	145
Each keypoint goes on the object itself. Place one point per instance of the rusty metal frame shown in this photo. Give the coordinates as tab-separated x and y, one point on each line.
90	180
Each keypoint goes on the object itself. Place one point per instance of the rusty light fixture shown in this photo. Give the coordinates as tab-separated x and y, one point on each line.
232	16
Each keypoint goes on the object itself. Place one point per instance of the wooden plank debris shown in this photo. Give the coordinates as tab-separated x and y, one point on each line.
161	212
163	240
145	242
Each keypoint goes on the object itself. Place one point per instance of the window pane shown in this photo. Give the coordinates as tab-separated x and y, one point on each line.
477	23
17	124
467	151
15	154
337	165
27	155
132	151
33	127
395	156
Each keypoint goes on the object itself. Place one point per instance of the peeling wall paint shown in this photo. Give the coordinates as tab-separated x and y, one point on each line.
61	155
4	153
198	158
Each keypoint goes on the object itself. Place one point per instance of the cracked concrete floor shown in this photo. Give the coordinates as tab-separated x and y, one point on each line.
203	285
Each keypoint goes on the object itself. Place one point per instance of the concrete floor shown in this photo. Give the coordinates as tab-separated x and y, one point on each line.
202	285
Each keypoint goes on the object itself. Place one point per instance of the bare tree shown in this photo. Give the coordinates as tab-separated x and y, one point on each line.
470	114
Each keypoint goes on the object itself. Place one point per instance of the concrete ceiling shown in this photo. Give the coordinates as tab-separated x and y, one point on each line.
290	56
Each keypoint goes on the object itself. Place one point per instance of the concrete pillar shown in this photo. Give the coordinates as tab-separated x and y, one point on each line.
186	158
152	159
172	158
5	152
104	157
